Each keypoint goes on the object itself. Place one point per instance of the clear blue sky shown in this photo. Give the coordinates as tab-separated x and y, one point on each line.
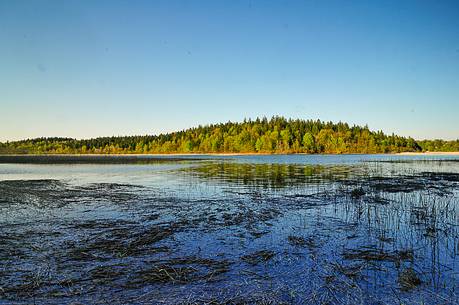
93	68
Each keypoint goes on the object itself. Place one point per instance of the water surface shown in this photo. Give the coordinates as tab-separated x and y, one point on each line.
346	229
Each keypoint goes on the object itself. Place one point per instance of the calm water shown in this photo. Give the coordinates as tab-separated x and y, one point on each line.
347	229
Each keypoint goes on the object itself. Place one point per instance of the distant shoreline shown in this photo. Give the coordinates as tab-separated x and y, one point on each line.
429	153
154	158
433	153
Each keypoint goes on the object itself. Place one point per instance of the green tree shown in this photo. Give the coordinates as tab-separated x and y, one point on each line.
309	143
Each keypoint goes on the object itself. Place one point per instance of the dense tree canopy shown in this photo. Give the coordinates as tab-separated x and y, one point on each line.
275	135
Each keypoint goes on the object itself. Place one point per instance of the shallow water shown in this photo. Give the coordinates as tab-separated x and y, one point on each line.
349	229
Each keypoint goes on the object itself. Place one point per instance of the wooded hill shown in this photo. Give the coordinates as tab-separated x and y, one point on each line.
275	135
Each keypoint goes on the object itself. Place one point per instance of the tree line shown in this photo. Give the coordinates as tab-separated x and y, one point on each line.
275	135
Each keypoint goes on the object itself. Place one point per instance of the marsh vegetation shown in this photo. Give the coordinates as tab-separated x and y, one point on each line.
230	232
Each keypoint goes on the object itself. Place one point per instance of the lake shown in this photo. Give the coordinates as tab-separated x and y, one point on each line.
266	229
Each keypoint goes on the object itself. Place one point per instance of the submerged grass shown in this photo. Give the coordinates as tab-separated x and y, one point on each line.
408	279
244	237
373	254
258	257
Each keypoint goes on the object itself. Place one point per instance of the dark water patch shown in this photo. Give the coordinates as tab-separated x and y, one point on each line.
182	270
300	241
55	194
444	177
258	257
409	279
438	183
373	254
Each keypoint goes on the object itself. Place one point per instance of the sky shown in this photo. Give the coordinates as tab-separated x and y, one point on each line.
84	69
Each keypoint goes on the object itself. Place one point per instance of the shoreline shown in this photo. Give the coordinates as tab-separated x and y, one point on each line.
433	153
430	153
155	158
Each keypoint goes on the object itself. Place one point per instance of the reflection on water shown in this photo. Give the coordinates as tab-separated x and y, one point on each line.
268	175
231	230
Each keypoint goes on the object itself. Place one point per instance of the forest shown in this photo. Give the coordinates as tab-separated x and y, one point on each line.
275	135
